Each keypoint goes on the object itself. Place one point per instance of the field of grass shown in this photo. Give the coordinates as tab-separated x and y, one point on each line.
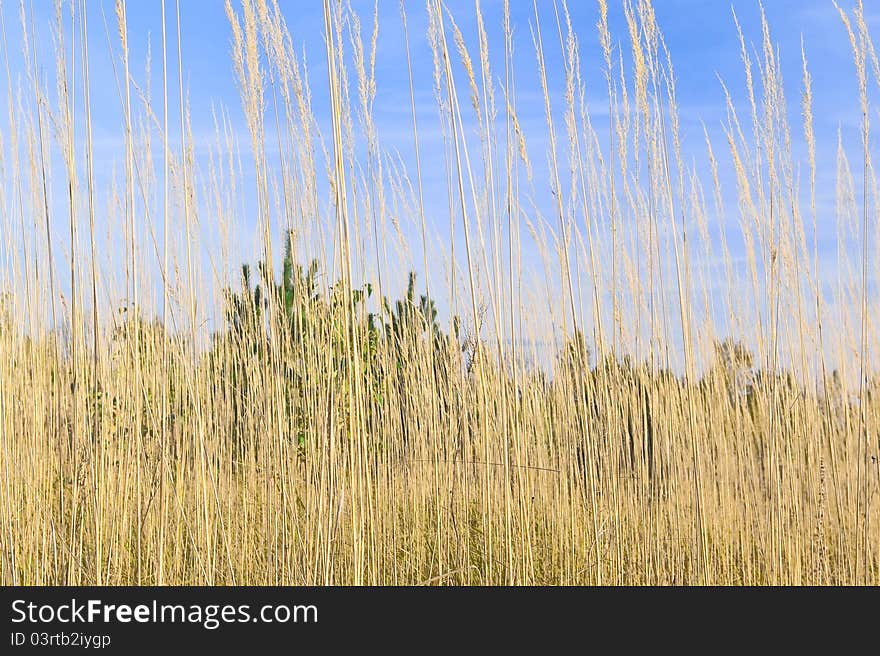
602	395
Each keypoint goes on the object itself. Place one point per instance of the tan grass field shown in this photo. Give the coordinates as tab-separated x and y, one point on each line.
619	402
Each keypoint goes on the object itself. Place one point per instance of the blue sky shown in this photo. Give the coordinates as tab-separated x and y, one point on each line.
700	34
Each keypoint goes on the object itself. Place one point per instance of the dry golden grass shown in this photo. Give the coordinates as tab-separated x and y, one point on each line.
321	435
